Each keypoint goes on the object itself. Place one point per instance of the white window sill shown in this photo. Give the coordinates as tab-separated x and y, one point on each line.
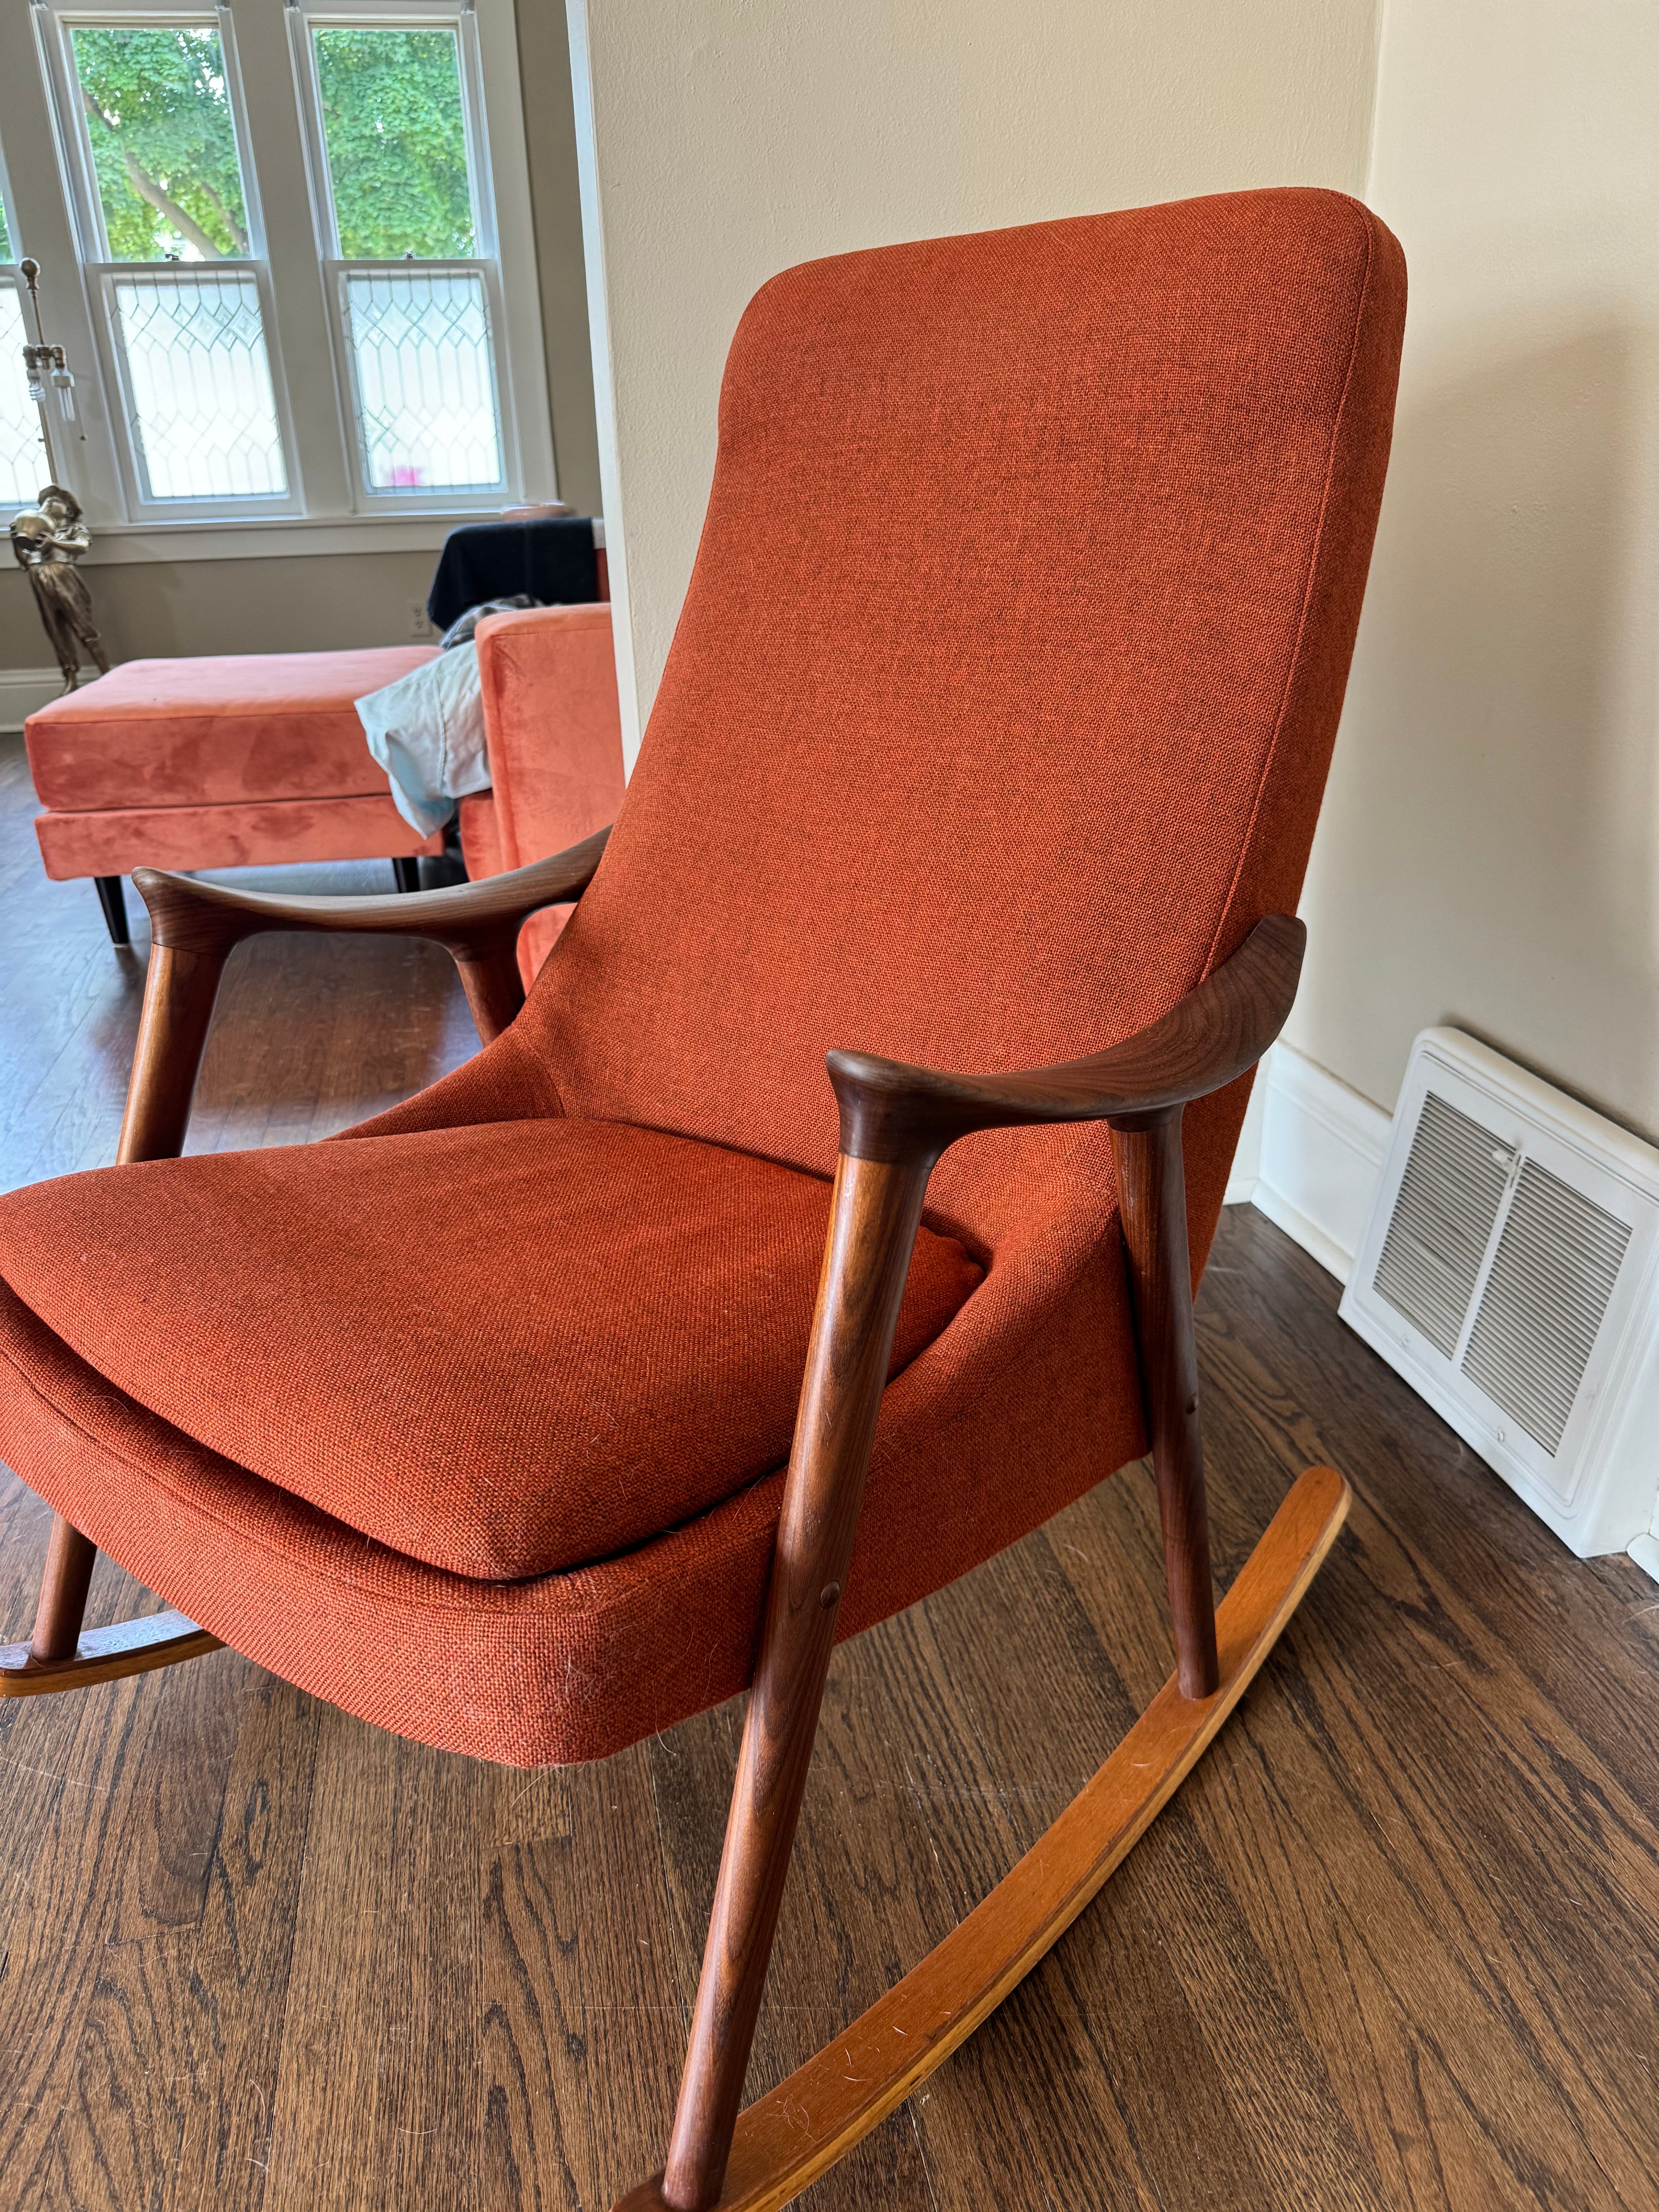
118	544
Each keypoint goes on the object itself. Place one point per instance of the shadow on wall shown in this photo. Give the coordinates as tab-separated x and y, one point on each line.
1487	852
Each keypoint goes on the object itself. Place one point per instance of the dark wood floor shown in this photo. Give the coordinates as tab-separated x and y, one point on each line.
1395	1944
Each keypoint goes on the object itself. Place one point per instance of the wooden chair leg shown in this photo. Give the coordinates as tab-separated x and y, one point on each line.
490	976
62	1655
1151	1187
179	988
70	1558
877	1209
720	2162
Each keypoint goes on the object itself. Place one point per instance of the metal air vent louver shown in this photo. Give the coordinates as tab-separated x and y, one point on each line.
1509	1271
1441	1222
1556	1263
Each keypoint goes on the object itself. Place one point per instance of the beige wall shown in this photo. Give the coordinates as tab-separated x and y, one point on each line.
299	604
728	141
1489	853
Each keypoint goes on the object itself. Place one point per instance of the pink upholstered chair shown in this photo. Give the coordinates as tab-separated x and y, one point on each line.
549	694
258	760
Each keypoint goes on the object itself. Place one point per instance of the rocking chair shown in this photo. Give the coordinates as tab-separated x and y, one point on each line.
993	733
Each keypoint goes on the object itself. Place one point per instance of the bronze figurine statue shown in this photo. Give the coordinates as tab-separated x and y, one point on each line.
48	540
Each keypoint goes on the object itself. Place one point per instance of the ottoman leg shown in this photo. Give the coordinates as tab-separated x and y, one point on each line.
407	874
113	899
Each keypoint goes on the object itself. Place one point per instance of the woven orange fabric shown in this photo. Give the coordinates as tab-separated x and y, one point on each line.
606	1338
998	712
562	1667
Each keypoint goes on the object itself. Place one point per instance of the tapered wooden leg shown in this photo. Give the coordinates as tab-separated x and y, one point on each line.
490	976
180	989
877	1209
796	2131
70	1558
62	1656
1152	1196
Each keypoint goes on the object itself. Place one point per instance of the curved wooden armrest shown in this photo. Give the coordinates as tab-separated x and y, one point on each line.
189	917
893	1112
194	927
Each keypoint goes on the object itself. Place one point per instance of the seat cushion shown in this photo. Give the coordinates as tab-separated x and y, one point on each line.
501	1350
219	728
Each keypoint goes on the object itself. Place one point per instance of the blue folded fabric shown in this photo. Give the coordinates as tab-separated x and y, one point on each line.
426	731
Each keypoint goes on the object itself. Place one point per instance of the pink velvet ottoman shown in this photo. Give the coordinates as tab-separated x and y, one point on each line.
232	761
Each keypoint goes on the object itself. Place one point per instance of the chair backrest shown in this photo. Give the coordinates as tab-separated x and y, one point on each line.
1002	701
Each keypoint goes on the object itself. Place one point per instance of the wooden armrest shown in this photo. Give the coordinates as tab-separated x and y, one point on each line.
194	927
189	917
893	1112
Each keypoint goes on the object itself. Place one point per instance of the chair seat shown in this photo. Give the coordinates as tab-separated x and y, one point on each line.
500	1350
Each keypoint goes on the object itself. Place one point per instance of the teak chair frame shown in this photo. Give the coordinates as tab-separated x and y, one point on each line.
896	1122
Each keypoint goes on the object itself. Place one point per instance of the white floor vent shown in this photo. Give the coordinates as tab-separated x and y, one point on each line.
1508	1271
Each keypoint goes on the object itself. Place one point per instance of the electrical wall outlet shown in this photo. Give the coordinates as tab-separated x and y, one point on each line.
420	629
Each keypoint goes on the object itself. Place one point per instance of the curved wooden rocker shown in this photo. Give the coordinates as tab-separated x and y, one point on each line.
788	2138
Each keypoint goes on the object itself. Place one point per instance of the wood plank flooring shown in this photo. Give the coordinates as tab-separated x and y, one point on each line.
1395	1944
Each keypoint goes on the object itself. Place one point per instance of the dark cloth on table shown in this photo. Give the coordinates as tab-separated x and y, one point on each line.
551	559
464	627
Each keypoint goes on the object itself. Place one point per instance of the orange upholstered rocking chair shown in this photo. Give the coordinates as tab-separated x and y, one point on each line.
993	734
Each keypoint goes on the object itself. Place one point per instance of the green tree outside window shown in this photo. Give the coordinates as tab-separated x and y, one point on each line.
397	143
164	142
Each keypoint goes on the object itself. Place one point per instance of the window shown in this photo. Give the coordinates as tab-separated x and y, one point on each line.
233	384
409	276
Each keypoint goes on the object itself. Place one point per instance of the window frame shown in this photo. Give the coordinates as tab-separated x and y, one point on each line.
100	272
312	375
412	15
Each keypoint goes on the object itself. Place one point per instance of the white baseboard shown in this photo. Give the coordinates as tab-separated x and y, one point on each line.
24	691
1308	1156
1645	1552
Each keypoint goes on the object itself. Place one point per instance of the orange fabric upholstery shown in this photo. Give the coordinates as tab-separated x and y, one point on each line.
637	1362
551	1670
257	759
264	833
223	729
998	712
555	765
480	836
